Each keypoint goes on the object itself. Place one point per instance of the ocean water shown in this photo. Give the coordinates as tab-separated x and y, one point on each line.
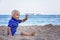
33	19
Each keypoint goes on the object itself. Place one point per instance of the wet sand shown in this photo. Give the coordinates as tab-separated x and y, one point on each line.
46	32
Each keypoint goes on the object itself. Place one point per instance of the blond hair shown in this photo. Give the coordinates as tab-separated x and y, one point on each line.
14	11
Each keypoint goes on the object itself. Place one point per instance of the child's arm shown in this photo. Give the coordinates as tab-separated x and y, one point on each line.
9	31
25	18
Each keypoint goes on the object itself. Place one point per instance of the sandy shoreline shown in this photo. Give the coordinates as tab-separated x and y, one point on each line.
46	32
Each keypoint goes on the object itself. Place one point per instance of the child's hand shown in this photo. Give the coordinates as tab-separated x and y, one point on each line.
25	18
26	15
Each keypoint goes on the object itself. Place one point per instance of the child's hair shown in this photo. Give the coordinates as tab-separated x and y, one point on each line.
13	12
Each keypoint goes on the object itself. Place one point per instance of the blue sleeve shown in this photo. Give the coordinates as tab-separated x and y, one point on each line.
10	24
19	21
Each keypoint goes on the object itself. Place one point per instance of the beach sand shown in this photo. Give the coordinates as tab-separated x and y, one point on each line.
46	32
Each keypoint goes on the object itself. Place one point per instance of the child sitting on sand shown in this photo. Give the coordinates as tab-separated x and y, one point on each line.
13	24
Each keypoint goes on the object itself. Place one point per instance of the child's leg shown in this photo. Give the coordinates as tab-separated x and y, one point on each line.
28	34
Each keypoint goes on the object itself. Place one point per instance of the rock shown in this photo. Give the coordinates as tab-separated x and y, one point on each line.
3	30
46	32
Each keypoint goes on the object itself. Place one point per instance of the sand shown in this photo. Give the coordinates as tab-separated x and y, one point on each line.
46	32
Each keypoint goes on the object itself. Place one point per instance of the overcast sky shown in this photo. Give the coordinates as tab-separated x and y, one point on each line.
30	6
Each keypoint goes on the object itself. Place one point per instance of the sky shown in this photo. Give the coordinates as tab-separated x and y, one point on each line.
30	6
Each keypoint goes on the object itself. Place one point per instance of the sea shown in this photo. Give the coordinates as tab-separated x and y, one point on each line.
33	20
